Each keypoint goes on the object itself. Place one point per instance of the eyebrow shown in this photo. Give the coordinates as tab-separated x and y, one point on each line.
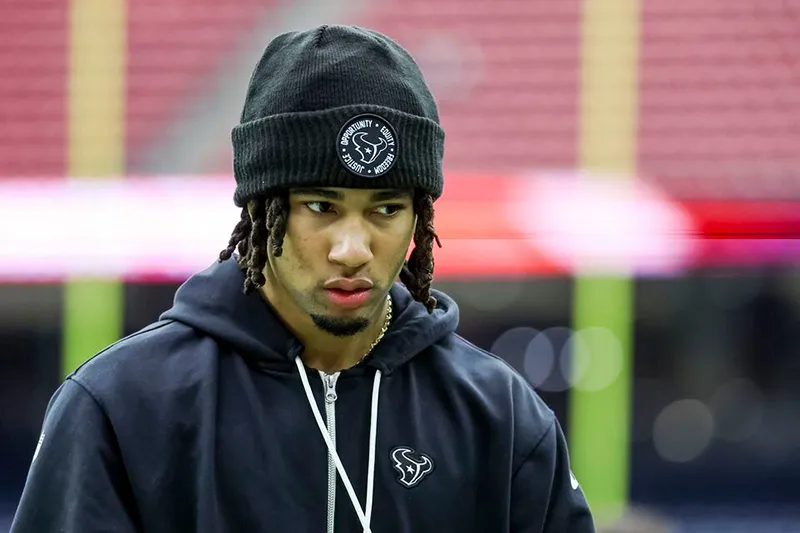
391	194
324	193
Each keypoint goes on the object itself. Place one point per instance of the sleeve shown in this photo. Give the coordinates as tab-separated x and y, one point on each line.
545	495
76	481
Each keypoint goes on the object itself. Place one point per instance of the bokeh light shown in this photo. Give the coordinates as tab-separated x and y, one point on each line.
683	430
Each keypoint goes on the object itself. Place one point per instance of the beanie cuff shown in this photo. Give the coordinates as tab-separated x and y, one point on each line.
300	150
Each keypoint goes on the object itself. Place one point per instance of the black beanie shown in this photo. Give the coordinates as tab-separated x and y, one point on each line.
337	106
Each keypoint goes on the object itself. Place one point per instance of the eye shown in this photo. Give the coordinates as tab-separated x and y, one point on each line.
389	210
320	207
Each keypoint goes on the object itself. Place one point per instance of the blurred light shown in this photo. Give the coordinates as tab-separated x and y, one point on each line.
540	360
163	227
738	408
683	431
512	344
553	340
596	356
604	224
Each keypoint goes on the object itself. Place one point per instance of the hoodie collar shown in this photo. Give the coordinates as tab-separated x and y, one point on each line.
213	301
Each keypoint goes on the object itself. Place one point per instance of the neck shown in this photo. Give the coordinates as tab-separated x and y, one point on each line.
323	351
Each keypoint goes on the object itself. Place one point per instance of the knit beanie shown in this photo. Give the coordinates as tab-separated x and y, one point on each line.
337	106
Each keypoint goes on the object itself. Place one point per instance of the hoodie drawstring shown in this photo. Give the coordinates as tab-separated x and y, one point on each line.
364	515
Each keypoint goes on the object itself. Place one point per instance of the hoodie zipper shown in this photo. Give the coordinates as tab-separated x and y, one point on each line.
329	382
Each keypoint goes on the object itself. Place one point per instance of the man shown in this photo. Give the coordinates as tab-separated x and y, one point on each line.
295	386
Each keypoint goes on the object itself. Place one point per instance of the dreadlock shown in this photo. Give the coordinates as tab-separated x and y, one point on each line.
263	223
417	273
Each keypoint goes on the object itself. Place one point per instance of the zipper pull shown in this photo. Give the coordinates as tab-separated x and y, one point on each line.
330	386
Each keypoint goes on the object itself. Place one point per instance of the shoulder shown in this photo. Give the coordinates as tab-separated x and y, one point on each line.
163	357
495	384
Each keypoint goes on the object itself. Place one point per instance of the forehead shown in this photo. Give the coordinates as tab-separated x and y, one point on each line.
342	194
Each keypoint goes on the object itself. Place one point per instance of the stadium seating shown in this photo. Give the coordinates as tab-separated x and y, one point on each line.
720	97
719	101
506	75
32	87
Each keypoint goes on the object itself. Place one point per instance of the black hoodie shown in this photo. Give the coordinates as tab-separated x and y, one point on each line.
201	423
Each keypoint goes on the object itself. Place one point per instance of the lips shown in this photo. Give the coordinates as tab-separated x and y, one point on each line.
348	293
348	284
348	299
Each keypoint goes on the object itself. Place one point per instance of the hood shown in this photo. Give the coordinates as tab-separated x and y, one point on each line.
213	301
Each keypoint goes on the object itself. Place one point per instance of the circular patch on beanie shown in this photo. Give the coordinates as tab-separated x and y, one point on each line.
367	146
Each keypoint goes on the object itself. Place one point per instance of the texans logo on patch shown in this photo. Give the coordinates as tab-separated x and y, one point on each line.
412	467
367	146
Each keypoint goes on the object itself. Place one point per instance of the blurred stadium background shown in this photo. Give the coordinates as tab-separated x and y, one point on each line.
620	220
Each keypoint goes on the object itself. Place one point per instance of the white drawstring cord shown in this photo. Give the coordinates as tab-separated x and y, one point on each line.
373	438
365	519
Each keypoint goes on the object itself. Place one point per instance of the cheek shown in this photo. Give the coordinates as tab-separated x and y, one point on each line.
395	243
300	247
411	226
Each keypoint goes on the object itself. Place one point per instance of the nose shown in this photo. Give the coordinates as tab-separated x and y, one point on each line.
351	245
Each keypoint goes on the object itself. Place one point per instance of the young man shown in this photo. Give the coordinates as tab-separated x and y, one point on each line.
324	396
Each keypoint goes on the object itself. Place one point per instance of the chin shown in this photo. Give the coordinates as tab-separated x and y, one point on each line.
340	326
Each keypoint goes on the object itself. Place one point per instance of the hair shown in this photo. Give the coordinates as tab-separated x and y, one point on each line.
263	223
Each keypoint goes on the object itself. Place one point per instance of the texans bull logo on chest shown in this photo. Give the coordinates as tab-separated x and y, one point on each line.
411	466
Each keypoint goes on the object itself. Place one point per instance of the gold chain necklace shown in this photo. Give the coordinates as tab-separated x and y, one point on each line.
386	322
